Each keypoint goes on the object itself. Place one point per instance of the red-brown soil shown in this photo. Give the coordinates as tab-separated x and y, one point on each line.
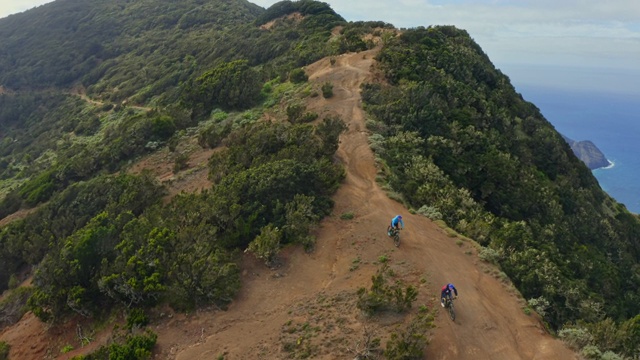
307	305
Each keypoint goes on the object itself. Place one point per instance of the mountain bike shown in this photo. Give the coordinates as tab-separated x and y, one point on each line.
395	234
448	304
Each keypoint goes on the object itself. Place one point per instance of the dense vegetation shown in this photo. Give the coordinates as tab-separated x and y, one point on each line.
182	60
99	239
461	144
111	236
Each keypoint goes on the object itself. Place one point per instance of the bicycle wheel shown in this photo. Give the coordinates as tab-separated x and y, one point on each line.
396	239
452	313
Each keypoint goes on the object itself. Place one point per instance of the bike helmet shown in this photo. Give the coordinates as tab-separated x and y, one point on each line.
399	216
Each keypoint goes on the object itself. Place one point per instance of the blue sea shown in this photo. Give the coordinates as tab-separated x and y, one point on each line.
610	121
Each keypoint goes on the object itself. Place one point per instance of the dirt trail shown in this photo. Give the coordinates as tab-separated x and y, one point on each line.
490	324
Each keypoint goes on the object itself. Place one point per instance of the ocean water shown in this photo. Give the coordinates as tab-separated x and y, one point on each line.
610	121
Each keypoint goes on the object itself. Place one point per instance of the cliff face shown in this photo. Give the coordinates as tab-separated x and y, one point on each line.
588	152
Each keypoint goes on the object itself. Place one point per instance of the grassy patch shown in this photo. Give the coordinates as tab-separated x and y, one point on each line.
355	263
450	232
441	224
347	215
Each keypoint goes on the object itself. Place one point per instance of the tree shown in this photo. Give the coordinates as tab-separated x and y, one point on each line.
230	85
329	132
300	217
631	334
298	76
138	275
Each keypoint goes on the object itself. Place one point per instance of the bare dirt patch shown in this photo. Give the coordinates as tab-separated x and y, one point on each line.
193	179
296	17
20	214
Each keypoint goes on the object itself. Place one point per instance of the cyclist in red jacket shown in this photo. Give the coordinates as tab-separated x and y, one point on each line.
446	291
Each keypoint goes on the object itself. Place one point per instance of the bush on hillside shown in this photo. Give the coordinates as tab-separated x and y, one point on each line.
383	295
298	76
410	343
327	90
4	350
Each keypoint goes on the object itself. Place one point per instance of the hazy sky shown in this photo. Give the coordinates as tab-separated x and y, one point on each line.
573	43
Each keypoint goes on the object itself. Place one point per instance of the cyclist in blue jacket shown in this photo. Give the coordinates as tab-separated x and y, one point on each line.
396	222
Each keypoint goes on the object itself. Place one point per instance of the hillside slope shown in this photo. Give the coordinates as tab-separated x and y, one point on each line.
318	288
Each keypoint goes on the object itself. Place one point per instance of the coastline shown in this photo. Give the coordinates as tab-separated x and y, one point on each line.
610	166
611	122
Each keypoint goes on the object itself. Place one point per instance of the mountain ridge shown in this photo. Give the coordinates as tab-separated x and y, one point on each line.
452	142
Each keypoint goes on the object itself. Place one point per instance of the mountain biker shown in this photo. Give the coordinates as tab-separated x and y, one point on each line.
446	291
396	222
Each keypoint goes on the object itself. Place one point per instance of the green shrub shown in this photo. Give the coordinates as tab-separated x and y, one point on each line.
296	113
411	342
327	90
218	115
383	296
376	142
10	204
631	332
181	162
212	136
591	352
162	127
431	212
347	215
4	350
230	85
13	281
173	142
127	347
610	355
489	255
38	189
540	305
106	107
451	232
13	305
88	126
137	318
576	337
308	117
266	245
298	76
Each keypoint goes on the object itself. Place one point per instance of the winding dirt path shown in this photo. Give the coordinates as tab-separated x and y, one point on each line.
490	324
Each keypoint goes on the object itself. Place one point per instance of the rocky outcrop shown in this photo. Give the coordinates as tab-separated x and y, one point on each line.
588	152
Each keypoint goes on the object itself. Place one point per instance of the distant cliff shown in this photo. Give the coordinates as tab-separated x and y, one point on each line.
588	152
